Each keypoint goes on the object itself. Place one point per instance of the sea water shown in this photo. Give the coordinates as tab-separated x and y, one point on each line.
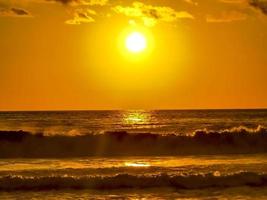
145	174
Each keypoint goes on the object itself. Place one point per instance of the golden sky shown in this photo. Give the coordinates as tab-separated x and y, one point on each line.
69	54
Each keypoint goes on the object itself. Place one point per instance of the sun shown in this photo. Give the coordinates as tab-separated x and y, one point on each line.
136	42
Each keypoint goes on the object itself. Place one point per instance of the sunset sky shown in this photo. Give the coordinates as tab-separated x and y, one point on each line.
70	54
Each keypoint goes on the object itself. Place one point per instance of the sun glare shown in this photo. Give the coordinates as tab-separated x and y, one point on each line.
136	42
137	164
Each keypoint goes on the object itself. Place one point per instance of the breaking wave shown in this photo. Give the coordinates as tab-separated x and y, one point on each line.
119	143
9	183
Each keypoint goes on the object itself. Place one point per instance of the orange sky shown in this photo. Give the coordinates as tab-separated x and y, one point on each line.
65	54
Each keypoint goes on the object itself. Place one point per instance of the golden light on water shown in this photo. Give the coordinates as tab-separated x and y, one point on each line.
136	164
136	117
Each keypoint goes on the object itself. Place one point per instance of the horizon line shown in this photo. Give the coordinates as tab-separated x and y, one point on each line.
167	109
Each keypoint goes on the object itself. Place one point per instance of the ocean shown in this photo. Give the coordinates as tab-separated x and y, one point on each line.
136	154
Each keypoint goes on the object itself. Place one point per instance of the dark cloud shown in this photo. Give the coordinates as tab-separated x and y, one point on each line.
259	4
19	11
82	16
14	12
81	2
150	15
65	1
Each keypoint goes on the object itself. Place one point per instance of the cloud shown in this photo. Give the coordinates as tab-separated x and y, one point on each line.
14	12
81	2
82	16
19	11
259	4
226	17
150	15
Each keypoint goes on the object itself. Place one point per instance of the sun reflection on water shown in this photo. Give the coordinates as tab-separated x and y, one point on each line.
136	164
136	117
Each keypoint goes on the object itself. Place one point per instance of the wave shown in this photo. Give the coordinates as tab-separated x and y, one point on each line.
120	181
238	140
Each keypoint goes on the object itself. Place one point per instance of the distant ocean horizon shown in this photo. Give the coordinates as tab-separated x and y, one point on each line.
158	121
